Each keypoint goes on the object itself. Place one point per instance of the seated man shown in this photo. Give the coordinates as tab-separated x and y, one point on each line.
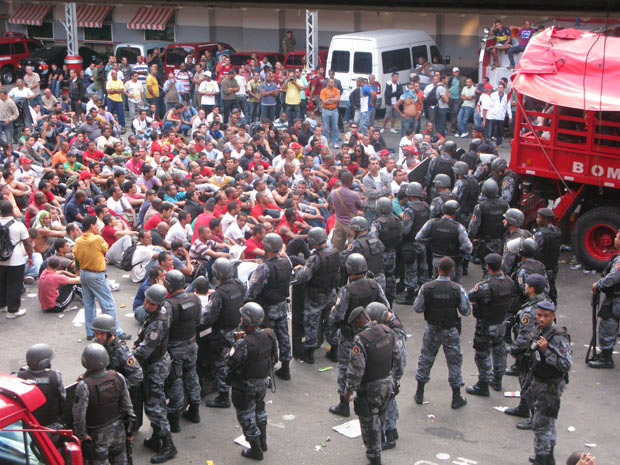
144	256
57	287
205	250
118	239
156	276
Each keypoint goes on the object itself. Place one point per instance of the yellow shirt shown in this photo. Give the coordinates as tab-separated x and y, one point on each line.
293	96
114	85
89	251
152	81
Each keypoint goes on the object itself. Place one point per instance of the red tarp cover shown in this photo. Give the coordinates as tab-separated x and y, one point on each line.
560	66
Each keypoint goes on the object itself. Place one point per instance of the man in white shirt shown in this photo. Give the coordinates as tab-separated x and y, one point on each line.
143	257
482	110
241	95
231	215
141	125
119	204
498	110
208	90
182	229
135	93
236	230
199	120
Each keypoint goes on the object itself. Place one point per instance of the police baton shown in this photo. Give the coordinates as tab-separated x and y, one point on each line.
591	353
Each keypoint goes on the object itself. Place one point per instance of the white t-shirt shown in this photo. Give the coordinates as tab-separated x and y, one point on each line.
15	93
469	92
119	206
208	86
179	233
242	83
17	234
235	233
134	90
140	260
484	103
227	220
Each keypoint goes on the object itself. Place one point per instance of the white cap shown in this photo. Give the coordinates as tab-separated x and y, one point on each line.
455	69
208	73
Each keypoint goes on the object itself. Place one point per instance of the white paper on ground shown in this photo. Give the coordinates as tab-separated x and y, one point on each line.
512	394
242	442
350	429
501	408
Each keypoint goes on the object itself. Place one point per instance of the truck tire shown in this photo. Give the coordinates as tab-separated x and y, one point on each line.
593	236
7	76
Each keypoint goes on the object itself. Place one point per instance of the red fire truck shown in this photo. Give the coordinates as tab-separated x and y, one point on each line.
567	136
22	439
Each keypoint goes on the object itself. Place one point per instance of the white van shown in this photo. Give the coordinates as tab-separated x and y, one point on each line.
132	50
381	53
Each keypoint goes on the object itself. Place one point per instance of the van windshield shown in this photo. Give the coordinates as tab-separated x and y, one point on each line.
340	61
131	53
419	51
362	63
396	60
175	56
436	55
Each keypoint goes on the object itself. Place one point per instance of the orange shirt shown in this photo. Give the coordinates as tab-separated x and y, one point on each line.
333	93
59	157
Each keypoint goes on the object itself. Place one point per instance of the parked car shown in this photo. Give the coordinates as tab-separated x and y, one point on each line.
42	59
238	59
175	54
132	50
297	59
14	46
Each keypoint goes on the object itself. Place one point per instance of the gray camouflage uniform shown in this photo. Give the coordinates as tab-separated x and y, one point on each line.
608	326
355	247
436	336
123	362
486	246
416	270
391	413
389	263
510	259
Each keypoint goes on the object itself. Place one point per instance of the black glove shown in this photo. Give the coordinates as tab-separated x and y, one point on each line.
396	388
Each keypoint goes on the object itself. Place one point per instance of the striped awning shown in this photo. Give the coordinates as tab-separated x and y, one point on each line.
30	15
154	19
91	15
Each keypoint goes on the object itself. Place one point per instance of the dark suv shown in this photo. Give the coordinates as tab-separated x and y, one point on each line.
14	46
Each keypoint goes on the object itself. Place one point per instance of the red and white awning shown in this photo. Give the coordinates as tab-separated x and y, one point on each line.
154	19
30	15
91	15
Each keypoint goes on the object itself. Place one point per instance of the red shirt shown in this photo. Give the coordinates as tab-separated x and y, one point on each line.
264	163
108	235
95	154
135	166
217	211
250	246
331	221
257	210
153	221
49	282
201	220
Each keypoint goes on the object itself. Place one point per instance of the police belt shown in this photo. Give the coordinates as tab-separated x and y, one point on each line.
453	257
443	325
182	342
105	425
549	380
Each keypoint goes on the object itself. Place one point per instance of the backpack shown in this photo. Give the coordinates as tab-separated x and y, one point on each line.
431	99
6	246
127	257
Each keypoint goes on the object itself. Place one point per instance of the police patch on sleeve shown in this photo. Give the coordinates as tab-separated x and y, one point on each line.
154	335
131	361
356	350
525	320
618	266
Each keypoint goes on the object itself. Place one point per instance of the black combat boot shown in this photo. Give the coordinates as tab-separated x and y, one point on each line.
390	440
192	413
284	372
496	384
550	457
173	419
465	267
332	353
255	452
308	356
513	370
263	436
374	460
520	410
154	442
395	433
479	389
221	401
342	408
167	452
406	297
604	360
457	399
419	393
541	459
525	425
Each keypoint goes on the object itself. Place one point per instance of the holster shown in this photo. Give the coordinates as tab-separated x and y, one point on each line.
239	398
361	407
482	342
88	451
551	405
607	309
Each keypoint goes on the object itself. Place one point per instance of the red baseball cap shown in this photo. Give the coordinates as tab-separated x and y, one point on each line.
23	160
86	175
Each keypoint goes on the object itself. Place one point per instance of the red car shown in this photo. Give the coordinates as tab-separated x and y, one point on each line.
175	54
14	46
238	59
297	59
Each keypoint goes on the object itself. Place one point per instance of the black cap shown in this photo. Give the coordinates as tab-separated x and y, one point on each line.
546	213
493	259
536	280
357	311
546	305
484	148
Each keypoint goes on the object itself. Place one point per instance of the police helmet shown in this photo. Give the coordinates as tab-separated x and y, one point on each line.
514	217
377	312
474	144
104	323
529	248
174	280
359	223
499	164
451	207
460	168
39	357
252	314
442	180
384	205
356	264
156	294
222	269
316	236
95	357
449	147
414	189
402	190
490	189
272	242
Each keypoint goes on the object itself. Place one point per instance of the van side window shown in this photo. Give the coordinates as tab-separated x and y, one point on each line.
396	60
19	47
340	61
175	56
419	51
436	55
362	63
5	49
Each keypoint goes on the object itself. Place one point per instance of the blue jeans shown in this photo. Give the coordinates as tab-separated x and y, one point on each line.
292	112
512	51
95	286
6	132
330	124
347	112
116	108
364	121
407	123
254	111
441	115
140	314
37	261
268	111
463	118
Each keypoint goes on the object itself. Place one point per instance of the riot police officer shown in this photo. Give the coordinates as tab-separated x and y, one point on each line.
441	301
487	222
388	228
369	246
151	350
321	273
379	313
491	299
374	355
222	314
465	191
102	411
525	324
609	284
446	237
39	360
269	287
441	164
551	357
471	157
249	364
413	252
360	291
507	180
185	310
549	240
513	220
526	265
443	187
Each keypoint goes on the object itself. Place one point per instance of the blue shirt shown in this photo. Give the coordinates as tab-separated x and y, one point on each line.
139	298
268	87
367	92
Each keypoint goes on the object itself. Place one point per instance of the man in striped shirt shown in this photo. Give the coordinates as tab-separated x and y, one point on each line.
184	76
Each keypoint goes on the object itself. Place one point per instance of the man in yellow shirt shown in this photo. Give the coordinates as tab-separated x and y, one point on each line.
89	251
293	87
115	89
152	89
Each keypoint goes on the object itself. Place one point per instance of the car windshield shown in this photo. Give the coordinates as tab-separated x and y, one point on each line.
18	447
47	52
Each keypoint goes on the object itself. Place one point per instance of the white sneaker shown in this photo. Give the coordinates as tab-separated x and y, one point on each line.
21	312
28	279
393	131
382	131
336	146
